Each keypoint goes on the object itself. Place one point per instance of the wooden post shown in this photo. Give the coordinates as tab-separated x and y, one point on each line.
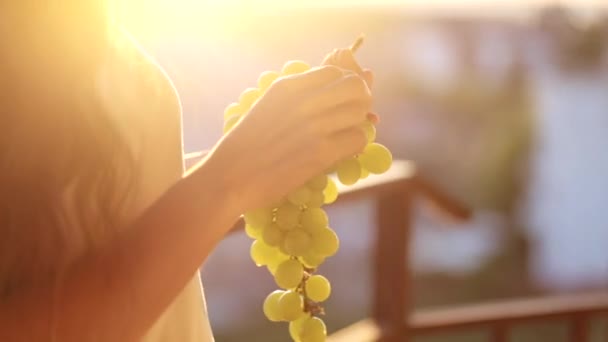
500	332
391	304
579	328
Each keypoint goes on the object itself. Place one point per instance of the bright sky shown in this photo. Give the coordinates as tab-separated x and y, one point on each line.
401	3
151	13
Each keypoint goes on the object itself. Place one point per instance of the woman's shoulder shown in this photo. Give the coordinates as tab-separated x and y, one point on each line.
144	103
140	82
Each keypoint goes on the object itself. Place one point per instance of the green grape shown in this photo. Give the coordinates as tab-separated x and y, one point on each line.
376	158
313	330
325	242
259	218
289	274
318	288
234	109
291	305
312	260
288	216
253	232
297	242
317	183
282	249
295	327
249	96
295	67
272	235
266	79
364	173
300	196
349	171
370	131
278	258
314	219
230	123
272	268
330	192
271	306
292	236
261	253
316	199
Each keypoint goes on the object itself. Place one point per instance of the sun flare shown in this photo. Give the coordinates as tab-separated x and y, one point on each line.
153	15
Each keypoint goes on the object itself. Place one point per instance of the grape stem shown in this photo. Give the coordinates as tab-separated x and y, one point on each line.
357	44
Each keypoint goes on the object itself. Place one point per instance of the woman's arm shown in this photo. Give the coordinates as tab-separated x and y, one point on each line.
309	122
116	294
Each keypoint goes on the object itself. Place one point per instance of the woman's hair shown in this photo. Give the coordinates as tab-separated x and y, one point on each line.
57	140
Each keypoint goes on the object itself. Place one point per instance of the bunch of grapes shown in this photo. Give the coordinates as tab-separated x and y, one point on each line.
292	238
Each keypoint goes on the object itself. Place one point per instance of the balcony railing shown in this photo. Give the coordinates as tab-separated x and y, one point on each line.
392	317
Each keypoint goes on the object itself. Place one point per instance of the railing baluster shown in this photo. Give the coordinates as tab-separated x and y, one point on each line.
579	328
392	275
500	333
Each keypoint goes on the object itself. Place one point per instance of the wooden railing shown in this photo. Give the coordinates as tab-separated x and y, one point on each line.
392	317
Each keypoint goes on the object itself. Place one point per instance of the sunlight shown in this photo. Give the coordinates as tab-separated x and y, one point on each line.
238	5
178	16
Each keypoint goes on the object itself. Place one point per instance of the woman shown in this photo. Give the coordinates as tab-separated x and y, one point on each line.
102	231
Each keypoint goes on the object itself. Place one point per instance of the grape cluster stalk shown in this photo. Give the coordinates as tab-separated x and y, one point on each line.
293	238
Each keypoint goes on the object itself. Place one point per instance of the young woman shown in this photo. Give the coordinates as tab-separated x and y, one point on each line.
102	231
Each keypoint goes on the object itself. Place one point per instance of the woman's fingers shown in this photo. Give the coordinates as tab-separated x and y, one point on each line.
348	142
341	117
343	58
347	90
368	76
330	58
315	78
373	117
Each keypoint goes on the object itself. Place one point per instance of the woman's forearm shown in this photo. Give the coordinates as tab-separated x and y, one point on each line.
117	293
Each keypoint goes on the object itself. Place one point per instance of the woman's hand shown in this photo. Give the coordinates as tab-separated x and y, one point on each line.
345	59
299	128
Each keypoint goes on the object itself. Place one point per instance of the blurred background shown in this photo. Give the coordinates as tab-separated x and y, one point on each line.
504	104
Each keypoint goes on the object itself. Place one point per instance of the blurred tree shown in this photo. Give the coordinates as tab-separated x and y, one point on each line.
496	120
